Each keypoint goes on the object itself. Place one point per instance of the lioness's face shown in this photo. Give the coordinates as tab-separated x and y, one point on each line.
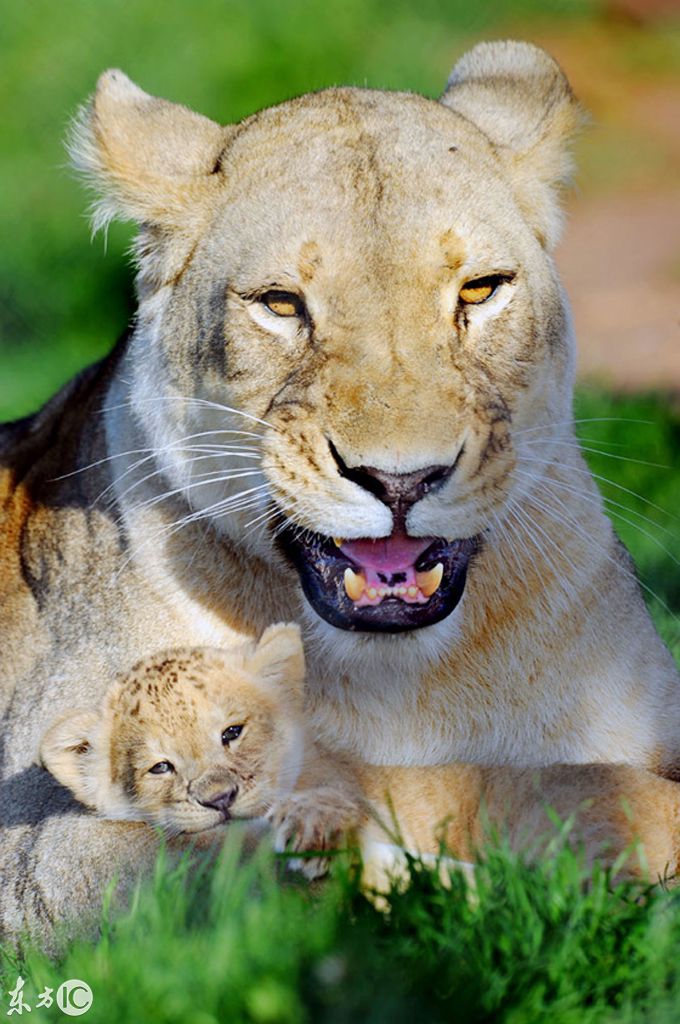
372	312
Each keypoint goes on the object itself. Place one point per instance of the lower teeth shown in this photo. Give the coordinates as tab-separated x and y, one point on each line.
428	583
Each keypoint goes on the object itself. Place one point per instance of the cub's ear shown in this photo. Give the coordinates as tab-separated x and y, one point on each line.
66	749
519	97
279	657
151	161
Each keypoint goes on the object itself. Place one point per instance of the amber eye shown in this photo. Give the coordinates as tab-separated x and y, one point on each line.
283	303
473	293
162	768
232	732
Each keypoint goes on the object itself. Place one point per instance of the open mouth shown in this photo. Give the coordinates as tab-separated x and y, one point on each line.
389	585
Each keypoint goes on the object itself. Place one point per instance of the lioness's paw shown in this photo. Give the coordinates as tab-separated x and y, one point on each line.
314	820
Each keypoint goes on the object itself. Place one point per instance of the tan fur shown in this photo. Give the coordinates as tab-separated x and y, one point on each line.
377	207
174	706
615	813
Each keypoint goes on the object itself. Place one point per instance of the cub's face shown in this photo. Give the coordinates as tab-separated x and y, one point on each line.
190	739
362	327
207	744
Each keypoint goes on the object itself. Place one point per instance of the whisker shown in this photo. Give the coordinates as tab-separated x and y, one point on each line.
602	479
597	451
260	520
522	517
189	400
159	470
565	520
169	529
219	507
588	419
215	477
504	528
551	481
152	450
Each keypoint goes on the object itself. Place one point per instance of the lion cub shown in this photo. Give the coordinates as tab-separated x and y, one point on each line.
194	737
189	738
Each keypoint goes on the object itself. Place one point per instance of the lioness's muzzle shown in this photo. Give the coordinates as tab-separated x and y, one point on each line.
388	585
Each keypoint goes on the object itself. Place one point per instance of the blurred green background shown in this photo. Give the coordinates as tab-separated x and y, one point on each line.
64	299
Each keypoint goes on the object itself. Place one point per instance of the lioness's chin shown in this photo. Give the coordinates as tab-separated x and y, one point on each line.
390	585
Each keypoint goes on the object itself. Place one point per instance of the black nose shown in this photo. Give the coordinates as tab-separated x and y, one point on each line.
222	801
399	491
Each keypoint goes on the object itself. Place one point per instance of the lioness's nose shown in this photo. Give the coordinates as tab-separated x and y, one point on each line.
399	491
222	801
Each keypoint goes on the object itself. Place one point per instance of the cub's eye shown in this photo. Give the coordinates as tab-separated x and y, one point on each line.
473	293
283	303
232	732
162	768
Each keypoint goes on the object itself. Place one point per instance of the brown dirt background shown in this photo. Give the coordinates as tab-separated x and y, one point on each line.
620	255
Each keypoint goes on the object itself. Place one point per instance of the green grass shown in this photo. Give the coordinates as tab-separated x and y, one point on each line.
530	944
635	454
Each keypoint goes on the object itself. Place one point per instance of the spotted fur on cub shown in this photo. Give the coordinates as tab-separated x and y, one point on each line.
190	738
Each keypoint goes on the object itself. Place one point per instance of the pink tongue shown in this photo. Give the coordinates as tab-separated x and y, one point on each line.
388	555
380	560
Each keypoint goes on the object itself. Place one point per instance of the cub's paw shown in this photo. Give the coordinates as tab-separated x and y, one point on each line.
314	821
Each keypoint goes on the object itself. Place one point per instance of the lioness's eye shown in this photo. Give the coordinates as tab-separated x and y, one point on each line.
480	289
232	732
283	303
162	768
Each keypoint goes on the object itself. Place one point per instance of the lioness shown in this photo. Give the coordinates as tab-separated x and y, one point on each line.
191	739
350	326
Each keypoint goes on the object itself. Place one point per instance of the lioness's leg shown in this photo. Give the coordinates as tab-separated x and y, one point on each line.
612	806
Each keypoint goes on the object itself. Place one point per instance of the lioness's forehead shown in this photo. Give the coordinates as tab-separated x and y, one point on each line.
349	161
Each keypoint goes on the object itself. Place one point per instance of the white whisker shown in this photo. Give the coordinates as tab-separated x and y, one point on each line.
595	500
589	419
595	451
178	443
189	400
583	471
570	523
203	480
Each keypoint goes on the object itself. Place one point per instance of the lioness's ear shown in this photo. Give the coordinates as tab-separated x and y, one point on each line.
279	656
519	97
151	161
64	751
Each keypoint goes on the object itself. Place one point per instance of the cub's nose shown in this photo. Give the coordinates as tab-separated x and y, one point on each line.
399	491
222	801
